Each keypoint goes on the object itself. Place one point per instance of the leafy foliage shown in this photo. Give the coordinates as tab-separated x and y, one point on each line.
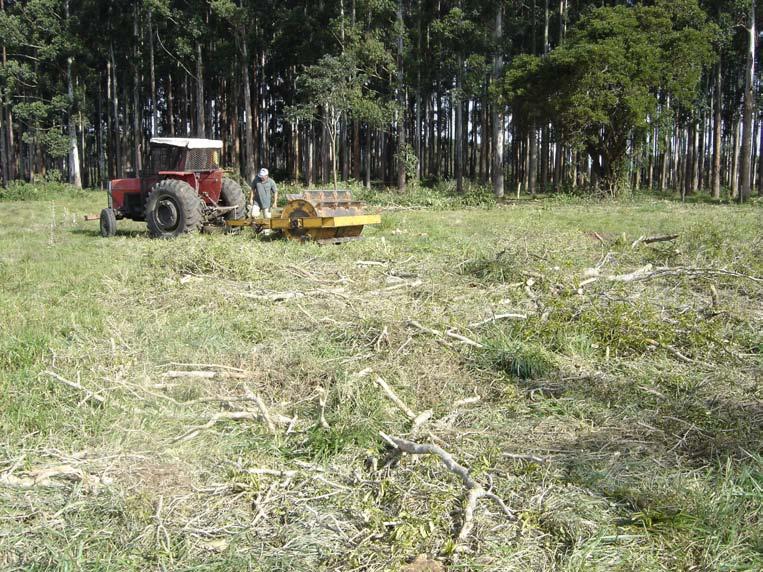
604	84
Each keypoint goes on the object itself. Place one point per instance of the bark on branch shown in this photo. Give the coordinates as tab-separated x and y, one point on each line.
475	490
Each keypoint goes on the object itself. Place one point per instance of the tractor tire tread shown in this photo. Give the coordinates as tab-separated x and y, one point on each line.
187	201
231	194
108	222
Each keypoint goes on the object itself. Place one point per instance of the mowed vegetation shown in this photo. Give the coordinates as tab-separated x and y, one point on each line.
621	420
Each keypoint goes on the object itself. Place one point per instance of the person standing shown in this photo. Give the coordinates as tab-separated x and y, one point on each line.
265	194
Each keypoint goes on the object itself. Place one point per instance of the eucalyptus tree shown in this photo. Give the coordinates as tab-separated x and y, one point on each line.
603	83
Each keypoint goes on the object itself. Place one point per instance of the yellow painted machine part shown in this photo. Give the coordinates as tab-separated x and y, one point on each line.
316	216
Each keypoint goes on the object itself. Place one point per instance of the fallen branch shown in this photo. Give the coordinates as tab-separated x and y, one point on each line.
178	374
52	476
464	339
646	273
370	263
675	352
322	403
227	415
283	296
384	336
418	326
272	472
207	366
640	274
394	398
651	239
497	318
530	458
412	284
466	401
76	385
263	409
475	490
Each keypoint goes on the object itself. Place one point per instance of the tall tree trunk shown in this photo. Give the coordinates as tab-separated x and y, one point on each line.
369	151
99	134
137	132
689	158
459	136
558	162
4	162
745	178
116	144
154	106
309	156
10	153
200	120
356	150
496	116
170	106
325	151
4	127
401	143
249	169
760	158
734	160
75	177
532	159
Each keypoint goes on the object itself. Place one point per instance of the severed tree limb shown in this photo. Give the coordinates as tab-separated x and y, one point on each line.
647	273
498	317
466	401
394	398
216	418
650	239
530	458
322	403
207	366
283	296
271	472
475	490
418	326
204	374
263	409
450	333
464	339
76	385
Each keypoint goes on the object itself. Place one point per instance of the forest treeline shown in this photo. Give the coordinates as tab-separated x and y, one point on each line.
523	95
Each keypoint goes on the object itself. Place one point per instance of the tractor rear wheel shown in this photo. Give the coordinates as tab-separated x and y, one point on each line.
108	223
173	208
231	195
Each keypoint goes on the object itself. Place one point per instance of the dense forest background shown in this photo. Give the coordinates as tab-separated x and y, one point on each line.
525	96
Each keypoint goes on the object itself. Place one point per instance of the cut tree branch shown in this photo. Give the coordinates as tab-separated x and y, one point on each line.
475	490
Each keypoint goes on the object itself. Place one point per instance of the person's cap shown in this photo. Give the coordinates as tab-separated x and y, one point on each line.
263	173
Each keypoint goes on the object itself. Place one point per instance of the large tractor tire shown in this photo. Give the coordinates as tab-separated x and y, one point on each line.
173	208
231	195
108	223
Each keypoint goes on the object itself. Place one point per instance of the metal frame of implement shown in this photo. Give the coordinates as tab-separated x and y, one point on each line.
306	222
320	230
319	216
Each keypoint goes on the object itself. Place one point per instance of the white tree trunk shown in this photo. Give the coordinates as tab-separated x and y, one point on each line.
745	176
496	115
75	177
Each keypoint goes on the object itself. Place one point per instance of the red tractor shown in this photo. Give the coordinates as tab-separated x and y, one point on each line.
182	189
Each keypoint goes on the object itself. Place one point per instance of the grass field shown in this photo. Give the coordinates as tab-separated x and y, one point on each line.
621	419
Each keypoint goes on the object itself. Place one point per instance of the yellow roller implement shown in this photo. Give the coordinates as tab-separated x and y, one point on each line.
319	216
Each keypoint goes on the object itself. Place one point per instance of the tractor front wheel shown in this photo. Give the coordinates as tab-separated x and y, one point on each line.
173	208
108	223
231	195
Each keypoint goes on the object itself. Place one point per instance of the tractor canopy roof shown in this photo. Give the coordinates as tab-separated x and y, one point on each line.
187	143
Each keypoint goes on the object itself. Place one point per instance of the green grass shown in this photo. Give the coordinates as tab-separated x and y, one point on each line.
644	398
